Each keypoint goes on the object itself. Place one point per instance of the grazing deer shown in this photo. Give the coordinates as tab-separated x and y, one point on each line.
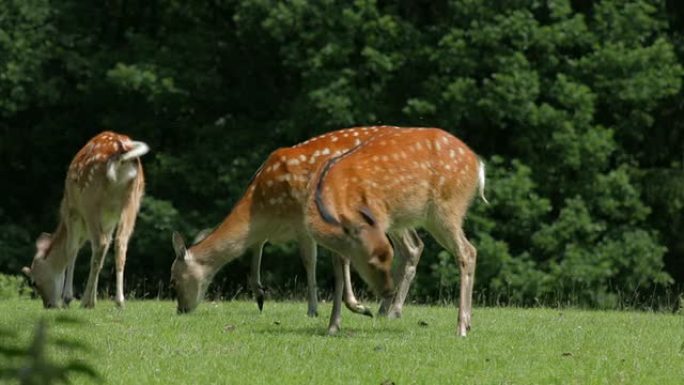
272	210
398	180
103	187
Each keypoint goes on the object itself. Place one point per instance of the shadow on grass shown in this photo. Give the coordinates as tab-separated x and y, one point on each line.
317	331
32	364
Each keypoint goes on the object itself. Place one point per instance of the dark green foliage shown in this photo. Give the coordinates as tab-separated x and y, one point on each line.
574	105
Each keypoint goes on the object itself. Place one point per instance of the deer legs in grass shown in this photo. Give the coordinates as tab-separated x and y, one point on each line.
68	293
255	276
467	255
455	241
408	247
124	231
73	245
99	245
309	252
348	297
336	314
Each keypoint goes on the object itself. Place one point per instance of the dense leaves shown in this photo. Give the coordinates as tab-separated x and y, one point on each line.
573	104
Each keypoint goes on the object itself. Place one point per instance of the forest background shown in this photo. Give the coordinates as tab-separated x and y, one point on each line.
576	107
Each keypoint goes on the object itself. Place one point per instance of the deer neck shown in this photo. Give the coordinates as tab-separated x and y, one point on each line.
229	240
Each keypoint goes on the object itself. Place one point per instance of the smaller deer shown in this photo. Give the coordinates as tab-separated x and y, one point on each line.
403	179
103	188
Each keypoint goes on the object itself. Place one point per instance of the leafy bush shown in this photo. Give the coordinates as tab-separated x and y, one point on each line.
12	286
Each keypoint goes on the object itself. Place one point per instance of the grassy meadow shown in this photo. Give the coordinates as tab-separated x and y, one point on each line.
232	343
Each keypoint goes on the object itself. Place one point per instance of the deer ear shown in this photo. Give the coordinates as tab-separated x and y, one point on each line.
347	225
179	246
367	215
43	242
26	271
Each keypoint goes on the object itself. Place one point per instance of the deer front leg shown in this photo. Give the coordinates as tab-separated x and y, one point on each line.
99	245
349	299
74	243
309	254
68	293
409	247
335	315
255	276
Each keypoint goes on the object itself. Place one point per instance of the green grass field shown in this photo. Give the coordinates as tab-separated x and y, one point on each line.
232	343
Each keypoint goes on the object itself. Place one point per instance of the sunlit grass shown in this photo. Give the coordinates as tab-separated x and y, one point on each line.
232	343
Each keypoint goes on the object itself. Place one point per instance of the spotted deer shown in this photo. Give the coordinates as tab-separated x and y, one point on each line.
102	190
403	179
272	210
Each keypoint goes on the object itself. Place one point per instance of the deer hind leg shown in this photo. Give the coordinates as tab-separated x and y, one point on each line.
258	290
408	247
467	257
309	254
452	238
99	243
123	235
336	314
349	298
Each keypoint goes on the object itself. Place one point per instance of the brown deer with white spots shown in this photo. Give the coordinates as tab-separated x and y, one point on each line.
403	179
103	189
272	209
